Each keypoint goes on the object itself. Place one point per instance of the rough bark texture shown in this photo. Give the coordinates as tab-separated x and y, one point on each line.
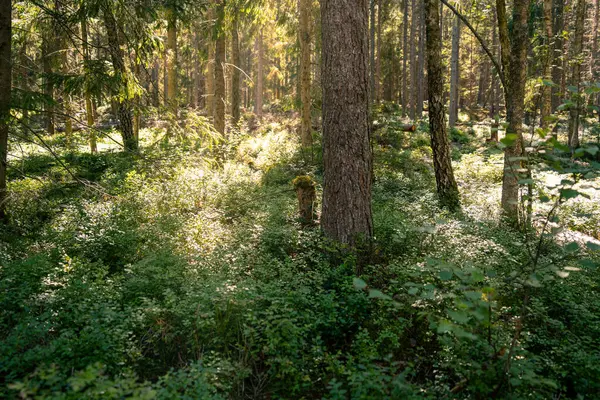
5	89
413	60
47	64
89	111
235	79
514	64
258	89
421	84
575	79
442	161
124	114
595	63
305	39
172	62
454	73
404	93
372	48
220	73
378	90
346	215
546	101
210	69
557	69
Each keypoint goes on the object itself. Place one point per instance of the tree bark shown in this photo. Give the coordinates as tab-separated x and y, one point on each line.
372	48
514	63
305	81
346	215
89	111
5	93
219	70
575	79
124	114
47	64
258	89
172	62
210	67
595	63
378	57
546	101
557	55
235	79
442	160
454	73
413	60
404	93
421	84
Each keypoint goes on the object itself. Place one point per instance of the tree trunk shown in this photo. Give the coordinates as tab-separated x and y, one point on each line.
413	60
47	63
347	157
5	90
210	68
219	71
372	49
421	84
442	160
378	58
404	92
575	79
235	79
595	63
514	64
172	62
258	89
546	100
116	54
89	111
454	73
557	55
305	82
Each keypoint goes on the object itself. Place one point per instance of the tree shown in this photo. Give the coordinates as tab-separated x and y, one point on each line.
305	81
5	95
575	79
546	107
235	79
258	89
89	111
404	92
454	73
442	160
219	112
123	97
513	46
171	49
346	215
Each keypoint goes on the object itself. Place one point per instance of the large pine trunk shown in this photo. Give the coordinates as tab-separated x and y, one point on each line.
575	78
557	67
595	64
404	92
210	67
347	157
546	101
48	85
442	161
89	111
413	60
421	83
258	89
454	73
305	63
124	113
5	89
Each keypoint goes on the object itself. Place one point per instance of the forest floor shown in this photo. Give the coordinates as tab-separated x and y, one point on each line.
183	272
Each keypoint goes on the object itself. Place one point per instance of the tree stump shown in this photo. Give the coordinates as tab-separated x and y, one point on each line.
307	197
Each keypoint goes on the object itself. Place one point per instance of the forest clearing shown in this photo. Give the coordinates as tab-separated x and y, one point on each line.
276	199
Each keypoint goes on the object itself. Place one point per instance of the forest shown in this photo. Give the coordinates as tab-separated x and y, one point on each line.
300	199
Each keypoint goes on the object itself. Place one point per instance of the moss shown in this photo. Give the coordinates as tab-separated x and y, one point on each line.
303	182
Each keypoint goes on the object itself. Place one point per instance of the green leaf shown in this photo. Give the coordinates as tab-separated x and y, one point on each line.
509	139
359	283
572	247
444	326
377	294
593	246
587	263
569	193
446	275
458	316
413	291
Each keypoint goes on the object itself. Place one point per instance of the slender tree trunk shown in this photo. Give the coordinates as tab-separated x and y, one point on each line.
220	71
172	62
47	63
210	68
442	160
116	54
378	59
5	93
65	97
514	64
372	48
413	60
454	73
305	81
346	215
235	79
89	111
258	89
595	63
557	56
404	92
546	101
421	84
575	79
